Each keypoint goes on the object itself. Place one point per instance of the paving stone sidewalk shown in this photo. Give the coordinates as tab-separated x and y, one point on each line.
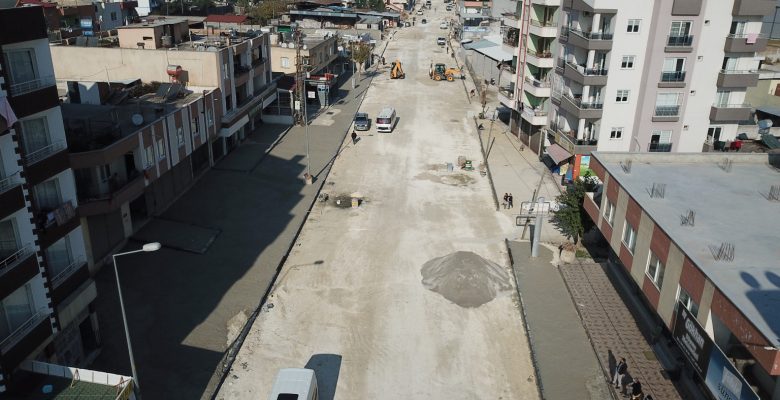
612	329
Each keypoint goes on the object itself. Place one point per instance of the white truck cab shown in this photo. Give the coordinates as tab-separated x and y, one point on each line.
294	384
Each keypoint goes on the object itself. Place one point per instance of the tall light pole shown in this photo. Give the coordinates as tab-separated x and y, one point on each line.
146	248
352	54
300	81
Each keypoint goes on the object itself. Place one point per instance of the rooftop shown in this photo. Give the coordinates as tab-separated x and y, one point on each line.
732	206
148	22
43	381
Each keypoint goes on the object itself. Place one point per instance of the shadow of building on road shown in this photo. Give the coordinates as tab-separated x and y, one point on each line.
327	368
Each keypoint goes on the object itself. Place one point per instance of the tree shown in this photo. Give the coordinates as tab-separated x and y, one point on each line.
267	10
376	5
571	217
360	53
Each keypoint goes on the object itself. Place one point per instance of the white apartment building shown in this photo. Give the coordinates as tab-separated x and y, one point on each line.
666	75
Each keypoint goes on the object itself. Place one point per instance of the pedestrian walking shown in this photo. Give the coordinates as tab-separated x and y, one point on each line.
636	390
510	199
473	92
620	373
506	201
354	137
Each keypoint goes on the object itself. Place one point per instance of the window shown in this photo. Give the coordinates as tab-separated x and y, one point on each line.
113	16
673	70
194	126
58	256
609	212
713	134
47	195
686	300
9	239
722	98
15	310
738	28
161	148
22	65
225	70
147	38
633	26
667	104
210	117
180	135
149	156
680	29
105	172
616	133
628	62
35	135
655	270
285	62
629	237
622	96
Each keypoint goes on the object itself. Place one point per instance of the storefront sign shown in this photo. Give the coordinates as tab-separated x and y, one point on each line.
719	374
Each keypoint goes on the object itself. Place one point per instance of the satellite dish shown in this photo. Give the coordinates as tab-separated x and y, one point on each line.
765	123
137	119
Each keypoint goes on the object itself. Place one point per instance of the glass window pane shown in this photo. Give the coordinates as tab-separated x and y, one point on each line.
9	241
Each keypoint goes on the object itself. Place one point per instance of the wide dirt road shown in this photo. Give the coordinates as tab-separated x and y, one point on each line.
349	301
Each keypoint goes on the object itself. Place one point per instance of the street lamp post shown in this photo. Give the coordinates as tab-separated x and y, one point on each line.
146	248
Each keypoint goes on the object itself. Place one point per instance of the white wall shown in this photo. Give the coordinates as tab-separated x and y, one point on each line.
8	155
23	226
42	54
54	121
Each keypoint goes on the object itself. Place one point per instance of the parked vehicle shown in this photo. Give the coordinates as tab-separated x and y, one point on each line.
441	41
444	25
295	383
420	12
385	122
424	21
362	122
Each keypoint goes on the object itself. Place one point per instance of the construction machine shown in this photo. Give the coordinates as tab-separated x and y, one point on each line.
440	71
396	71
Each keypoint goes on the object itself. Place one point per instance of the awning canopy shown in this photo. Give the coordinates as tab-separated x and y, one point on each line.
558	153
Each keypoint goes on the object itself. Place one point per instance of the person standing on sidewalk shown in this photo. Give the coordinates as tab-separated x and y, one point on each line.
354	137
636	390
620	374
510	199
506	201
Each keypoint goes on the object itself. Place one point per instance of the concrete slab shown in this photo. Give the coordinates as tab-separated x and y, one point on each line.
177	235
562	351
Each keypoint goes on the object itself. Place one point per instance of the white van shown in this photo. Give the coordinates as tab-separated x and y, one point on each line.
295	383
385	121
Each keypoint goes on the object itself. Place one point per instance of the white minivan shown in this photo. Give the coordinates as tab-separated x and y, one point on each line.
385	121
295	384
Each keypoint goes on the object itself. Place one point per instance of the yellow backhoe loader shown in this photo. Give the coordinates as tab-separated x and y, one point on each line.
440	71
396	71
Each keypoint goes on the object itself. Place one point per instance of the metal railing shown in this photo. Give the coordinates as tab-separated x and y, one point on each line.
571	137
548	24
536	82
731	105
507	92
667	111
738	71
746	35
534	113
679	41
14	337
10	182
659	147
43	152
32	85
584	105
591	35
588	71
68	271
13	259
673	76
540	54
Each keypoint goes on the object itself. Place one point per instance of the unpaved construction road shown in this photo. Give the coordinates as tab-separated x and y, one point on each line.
350	301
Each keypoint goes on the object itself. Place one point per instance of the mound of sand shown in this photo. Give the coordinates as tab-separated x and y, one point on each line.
465	278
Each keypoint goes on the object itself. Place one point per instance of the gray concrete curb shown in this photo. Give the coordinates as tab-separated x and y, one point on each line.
487	166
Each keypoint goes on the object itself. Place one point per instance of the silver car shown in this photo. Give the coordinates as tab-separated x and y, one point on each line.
362	122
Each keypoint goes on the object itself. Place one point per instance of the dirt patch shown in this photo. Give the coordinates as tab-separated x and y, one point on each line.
345	200
453	179
465	278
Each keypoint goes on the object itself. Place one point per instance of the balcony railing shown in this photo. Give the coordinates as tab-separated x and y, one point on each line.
738	71
43	152
13	259
540	54
21	88
571	137
89	191
592	35
731	105
68	271
548	24
509	92
10	182
588	71
746	35
536	82
534	113
673	76
19	333
679	41
667	111
584	105
659	147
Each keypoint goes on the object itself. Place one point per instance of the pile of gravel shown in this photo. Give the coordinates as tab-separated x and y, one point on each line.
465	278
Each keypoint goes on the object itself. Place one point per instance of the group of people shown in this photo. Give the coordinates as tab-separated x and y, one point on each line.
634	387
508	200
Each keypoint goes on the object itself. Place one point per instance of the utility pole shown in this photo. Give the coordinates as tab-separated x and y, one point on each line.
301	115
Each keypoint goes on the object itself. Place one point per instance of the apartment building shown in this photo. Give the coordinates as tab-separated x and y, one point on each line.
45	286
71	18
654	76
708	275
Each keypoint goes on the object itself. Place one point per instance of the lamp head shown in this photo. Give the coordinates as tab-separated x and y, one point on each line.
151	246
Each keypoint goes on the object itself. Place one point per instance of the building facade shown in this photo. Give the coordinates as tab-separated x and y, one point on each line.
46	290
653	76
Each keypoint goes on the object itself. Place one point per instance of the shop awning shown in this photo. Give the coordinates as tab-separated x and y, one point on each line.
558	153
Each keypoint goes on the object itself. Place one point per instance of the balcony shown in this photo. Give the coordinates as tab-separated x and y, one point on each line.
679	44
585	76
575	106
506	96
568	140
547	29
54	224
588	40
730	112
122	192
666	113
737	79
11	195
42	153
753	7
511	20
552	3
659	147
534	117
69	279
46	162
541	59
672	79
25	339
17	268
746	43
21	88
536	87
